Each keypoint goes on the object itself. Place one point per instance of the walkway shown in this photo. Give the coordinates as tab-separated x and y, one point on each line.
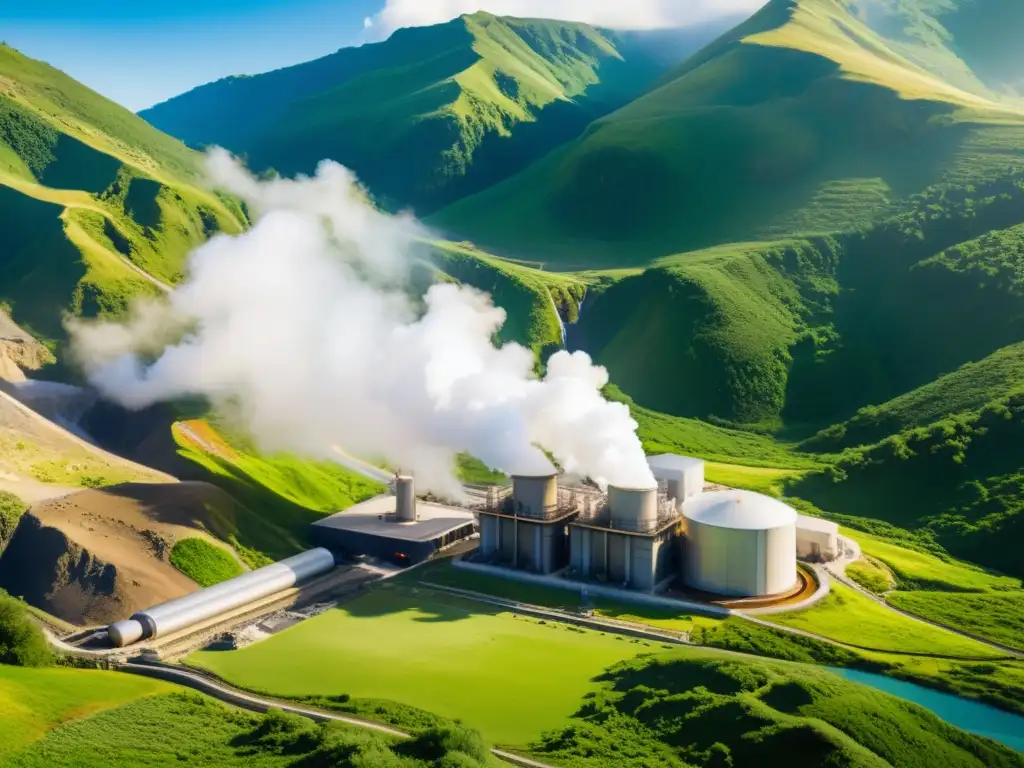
253	703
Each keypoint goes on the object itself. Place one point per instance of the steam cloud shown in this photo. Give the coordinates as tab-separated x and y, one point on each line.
618	14
303	329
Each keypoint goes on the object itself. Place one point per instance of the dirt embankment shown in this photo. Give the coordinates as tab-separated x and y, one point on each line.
97	556
19	351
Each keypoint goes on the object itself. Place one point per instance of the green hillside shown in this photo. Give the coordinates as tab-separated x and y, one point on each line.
963	391
694	708
431	114
804	119
96	205
960	480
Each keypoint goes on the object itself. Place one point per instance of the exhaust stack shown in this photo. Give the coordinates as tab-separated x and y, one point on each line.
405	499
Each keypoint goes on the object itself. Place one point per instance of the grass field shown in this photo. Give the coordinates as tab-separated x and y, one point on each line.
924	570
998	616
851	618
442	573
761	479
34	701
871	575
511	677
203	562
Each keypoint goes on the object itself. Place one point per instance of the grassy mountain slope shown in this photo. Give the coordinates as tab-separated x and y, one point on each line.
963	391
803	119
804	332
537	303
95	204
432	114
960	480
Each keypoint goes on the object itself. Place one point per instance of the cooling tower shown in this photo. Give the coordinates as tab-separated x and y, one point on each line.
405	500
633	509
739	544
535	496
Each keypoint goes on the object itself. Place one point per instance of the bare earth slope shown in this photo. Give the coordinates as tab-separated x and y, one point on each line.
99	555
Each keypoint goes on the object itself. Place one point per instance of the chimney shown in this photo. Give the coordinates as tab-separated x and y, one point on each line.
405	499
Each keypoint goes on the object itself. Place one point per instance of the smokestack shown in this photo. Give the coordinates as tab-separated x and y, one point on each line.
405	499
534	495
633	509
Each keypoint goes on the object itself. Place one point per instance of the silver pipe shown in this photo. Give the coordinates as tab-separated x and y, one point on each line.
197	607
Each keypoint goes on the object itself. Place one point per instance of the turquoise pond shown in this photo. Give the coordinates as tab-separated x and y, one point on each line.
968	715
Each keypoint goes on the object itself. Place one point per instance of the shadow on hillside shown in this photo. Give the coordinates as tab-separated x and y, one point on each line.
76	165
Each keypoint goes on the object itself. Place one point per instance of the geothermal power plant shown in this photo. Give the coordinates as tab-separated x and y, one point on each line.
677	534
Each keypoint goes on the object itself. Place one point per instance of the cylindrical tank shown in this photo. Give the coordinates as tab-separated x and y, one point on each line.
534	496
405	499
739	544
205	604
633	509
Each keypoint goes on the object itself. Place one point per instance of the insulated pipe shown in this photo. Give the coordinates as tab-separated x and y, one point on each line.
205	604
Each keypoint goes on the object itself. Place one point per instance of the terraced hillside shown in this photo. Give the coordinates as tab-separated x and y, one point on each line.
434	113
95	204
813	116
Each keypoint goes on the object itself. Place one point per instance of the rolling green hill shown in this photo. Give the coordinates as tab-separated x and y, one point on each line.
96	205
814	116
431	114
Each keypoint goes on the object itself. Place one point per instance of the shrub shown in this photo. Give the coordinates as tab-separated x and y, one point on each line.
21	640
11	510
203	562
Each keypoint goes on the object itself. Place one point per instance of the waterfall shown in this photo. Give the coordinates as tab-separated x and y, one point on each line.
561	322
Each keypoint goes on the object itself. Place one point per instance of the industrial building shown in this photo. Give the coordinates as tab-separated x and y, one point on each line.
628	540
529	528
739	544
395	527
193	609
683	477
724	543
817	540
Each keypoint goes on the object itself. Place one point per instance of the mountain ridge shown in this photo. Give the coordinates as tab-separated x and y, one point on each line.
433	113
802	120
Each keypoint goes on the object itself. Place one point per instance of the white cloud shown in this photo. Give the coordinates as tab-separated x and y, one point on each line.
618	14
299	329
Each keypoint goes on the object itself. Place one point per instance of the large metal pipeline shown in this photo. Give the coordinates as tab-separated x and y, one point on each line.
197	607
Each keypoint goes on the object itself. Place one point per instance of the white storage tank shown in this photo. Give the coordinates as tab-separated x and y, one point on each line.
739	543
683	475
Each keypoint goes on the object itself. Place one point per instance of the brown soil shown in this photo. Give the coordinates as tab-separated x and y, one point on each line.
97	556
19	351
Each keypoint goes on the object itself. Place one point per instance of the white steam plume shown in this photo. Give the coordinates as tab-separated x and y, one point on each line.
292	328
617	14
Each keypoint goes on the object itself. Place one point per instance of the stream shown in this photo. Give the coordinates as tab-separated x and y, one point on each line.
972	716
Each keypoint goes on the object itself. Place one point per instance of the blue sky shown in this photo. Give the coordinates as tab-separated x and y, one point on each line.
139	53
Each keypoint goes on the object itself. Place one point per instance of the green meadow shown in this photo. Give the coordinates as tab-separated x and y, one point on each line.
509	676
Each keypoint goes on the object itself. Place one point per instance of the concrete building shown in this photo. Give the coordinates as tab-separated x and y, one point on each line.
683	476
628	541
739	543
817	540
395	527
529	529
